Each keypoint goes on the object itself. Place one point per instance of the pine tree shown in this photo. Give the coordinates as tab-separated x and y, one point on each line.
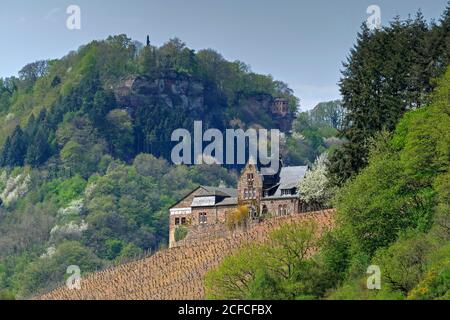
30	129
388	72
39	150
15	149
5	151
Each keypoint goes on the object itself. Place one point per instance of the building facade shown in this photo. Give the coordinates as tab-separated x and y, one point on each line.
265	195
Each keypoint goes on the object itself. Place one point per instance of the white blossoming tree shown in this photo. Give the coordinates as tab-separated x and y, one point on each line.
14	187
314	189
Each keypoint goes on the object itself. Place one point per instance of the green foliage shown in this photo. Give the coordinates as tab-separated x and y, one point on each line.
396	190
6	295
45	271
181	233
280	269
62	192
399	218
394	214
356	289
150	166
379	84
314	133
436	282
120	133
15	149
129	252
233	279
7	89
328	114
403	263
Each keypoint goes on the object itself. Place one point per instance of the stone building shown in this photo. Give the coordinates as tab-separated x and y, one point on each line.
265	195
280	106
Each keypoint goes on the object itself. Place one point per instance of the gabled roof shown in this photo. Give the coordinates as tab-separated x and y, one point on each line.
211	191
187	195
289	178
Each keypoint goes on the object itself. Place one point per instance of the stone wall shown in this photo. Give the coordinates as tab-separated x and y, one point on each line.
272	205
214	214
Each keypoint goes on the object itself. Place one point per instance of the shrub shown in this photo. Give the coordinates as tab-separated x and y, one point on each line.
237	218
180	233
280	269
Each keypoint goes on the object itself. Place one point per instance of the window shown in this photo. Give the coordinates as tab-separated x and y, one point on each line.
177	221
254	193
183	221
280	210
285	212
245	193
202	218
286	192
264	210
250	179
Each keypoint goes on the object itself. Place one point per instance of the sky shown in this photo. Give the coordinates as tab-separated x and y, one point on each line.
300	42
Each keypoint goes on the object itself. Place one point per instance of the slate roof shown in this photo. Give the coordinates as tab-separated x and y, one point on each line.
218	191
289	178
211	191
228	202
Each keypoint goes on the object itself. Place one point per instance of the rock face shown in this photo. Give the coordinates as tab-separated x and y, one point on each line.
260	109
172	89
197	101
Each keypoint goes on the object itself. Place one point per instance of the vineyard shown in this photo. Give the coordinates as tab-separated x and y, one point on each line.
176	273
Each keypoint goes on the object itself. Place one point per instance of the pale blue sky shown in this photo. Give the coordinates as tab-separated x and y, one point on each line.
300	42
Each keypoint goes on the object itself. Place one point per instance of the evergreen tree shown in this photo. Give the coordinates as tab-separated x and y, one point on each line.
4	154
30	129
103	103
388	72
39	149
15	149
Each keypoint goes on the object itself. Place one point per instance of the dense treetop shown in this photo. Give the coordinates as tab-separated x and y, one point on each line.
387	73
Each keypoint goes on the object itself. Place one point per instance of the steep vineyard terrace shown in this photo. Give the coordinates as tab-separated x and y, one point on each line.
177	273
